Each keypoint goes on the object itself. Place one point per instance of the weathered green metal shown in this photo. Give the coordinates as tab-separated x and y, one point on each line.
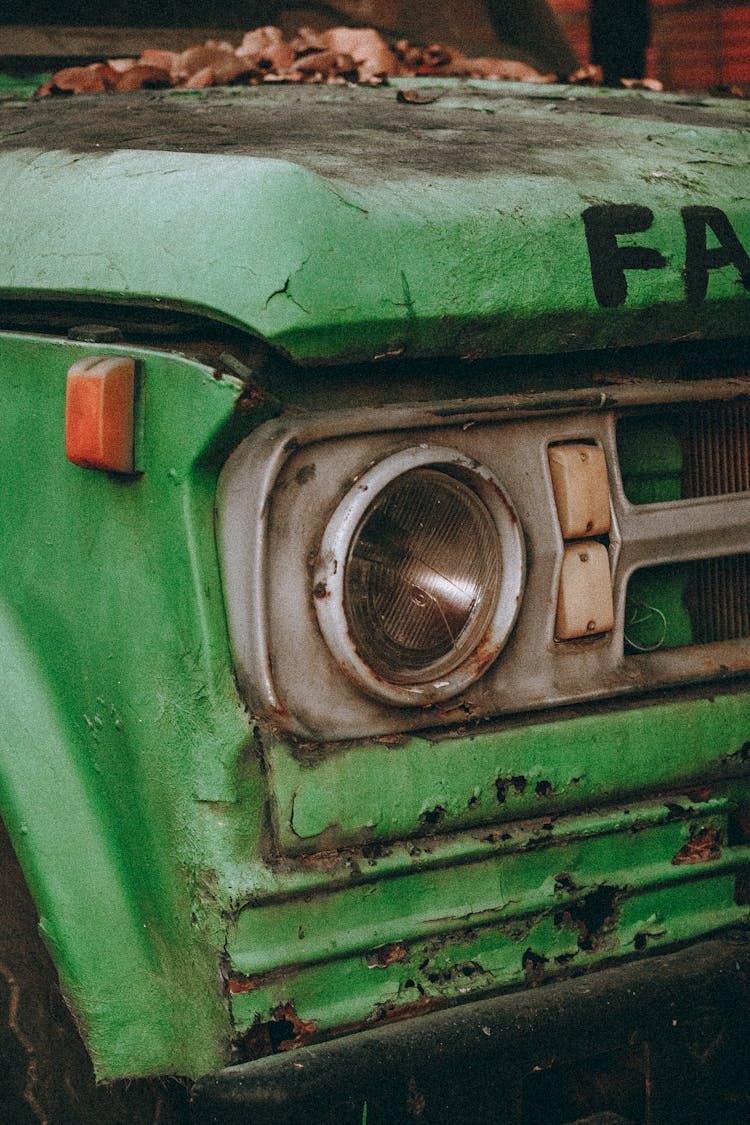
343	225
119	710
520	770
510	918
166	839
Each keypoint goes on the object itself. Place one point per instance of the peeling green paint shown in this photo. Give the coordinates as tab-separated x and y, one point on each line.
120	707
626	896
164	837
565	764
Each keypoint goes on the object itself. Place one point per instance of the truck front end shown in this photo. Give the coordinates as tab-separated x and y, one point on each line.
377	630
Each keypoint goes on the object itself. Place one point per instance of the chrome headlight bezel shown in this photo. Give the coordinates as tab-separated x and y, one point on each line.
486	630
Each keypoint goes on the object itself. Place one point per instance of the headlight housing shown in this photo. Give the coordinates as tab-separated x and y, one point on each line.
420	575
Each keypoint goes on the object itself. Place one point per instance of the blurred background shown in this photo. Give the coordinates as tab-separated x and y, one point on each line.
693	44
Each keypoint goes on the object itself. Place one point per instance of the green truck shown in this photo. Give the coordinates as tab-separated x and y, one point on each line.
375	735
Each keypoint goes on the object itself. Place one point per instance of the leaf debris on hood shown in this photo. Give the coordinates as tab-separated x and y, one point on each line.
339	55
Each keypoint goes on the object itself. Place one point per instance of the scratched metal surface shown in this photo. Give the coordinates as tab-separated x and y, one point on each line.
340	225
354	132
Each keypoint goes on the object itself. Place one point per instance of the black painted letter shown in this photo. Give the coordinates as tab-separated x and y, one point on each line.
609	260
699	258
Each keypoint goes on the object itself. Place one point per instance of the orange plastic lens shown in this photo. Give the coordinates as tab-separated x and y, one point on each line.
99	407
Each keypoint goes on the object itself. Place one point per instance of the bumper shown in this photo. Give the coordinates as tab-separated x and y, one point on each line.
659	1041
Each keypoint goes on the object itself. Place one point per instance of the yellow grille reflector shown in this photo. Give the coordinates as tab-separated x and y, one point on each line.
579	481
584	601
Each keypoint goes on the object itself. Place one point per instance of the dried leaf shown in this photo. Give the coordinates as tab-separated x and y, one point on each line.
196	59
325	62
587	76
652	84
95	79
503	70
370	52
121	65
307	40
139	77
201	79
164	60
413	97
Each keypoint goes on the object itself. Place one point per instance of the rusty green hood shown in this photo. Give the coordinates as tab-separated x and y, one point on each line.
343	224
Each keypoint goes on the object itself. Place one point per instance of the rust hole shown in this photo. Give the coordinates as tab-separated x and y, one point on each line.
591	916
564	884
704	846
533	967
503	785
433	816
283	1032
387	955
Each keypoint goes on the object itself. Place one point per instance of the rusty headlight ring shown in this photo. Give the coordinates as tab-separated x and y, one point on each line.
420	575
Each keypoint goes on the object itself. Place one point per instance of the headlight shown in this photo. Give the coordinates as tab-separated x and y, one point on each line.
420	575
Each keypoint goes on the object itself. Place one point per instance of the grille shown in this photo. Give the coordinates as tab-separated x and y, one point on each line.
716	448
687	453
718	599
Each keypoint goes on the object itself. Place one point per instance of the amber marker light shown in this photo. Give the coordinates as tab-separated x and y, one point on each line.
99	410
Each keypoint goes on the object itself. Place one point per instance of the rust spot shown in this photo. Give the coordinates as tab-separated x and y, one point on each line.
387	955
484	654
464	970
281	713
533	968
700	793
392	1013
564	884
304	474
249	399
564	959
325	861
591	916
504	784
238	983
375	851
497	837
704	846
456	712
433	816
320	590
285	1030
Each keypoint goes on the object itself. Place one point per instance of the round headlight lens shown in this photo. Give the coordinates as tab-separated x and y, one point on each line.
419	575
422	577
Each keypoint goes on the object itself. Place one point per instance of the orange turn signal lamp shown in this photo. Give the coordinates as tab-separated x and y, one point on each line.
99	413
